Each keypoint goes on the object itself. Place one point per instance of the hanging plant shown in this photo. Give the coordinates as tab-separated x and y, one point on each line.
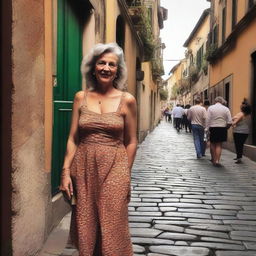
163	94
142	21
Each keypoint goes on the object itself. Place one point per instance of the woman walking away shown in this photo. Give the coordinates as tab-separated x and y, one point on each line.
187	122
241	127
100	152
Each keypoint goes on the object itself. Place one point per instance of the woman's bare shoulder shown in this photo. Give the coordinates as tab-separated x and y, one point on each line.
129	99
79	96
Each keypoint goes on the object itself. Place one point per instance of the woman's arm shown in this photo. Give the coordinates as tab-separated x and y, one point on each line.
130	128
66	183
237	118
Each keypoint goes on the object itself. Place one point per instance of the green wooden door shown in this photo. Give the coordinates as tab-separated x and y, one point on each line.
69	55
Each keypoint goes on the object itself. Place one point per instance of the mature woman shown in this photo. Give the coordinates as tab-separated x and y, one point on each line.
100	152
241	128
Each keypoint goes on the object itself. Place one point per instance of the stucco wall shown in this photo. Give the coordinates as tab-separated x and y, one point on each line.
145	94
31	185
112	12
238	63
130	59
89	39
242	7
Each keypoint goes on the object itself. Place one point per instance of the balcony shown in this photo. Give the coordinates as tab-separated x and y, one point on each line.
157	67
141	19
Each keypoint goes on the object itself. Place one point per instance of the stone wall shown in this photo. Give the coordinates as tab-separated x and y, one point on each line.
31	185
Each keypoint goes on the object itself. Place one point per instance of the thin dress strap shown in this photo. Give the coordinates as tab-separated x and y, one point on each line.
84	102
120	103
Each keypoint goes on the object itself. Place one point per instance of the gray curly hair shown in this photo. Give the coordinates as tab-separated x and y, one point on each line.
89	62
220	100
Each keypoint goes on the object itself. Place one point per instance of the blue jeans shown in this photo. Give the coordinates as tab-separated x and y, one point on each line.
198	135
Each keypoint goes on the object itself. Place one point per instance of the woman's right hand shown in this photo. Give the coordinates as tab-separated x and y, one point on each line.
66	185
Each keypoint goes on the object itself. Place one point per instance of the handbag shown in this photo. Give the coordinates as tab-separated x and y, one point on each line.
71	201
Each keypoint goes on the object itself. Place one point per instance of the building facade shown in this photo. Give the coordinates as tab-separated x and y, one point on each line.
197	74
177	84
233	58
44	42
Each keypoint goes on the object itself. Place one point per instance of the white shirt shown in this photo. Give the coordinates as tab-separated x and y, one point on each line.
218	115
178	112
197	115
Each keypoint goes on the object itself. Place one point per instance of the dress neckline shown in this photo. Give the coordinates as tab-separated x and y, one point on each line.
104	113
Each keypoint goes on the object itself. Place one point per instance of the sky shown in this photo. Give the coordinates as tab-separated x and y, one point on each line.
182	18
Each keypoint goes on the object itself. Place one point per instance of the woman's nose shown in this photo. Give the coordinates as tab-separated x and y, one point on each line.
106	67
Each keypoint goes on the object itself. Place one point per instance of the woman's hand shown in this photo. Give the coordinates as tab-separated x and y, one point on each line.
66	185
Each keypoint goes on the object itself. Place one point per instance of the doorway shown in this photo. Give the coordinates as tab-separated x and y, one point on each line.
71	17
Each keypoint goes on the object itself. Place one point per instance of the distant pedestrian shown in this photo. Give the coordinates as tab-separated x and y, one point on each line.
177	113
187	123
206	104
169	113
166	111
197	115
217	122
241	127
206	132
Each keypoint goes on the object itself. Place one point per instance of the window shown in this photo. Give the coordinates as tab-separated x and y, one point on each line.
234	13
191	59
227	93
120	31
251	3
215	35
205	94
199	57
223	24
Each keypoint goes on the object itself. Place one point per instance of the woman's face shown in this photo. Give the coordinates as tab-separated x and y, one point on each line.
106	68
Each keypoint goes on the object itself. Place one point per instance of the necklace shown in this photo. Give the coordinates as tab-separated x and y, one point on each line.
99	101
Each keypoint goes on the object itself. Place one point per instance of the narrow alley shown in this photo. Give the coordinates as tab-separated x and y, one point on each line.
183	206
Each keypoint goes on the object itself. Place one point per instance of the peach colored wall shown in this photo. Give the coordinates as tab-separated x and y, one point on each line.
149	113
156	29
178	72
48	83
31	185
242	7
171	82
238	63
130	59
201	33
112	12
228	16
89	39
145	99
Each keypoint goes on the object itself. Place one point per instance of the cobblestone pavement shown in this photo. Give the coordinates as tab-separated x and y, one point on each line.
184	206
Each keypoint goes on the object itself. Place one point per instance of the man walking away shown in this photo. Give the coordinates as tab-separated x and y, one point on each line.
177	113
197	115
218	121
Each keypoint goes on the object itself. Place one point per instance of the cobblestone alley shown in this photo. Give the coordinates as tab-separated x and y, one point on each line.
183	206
